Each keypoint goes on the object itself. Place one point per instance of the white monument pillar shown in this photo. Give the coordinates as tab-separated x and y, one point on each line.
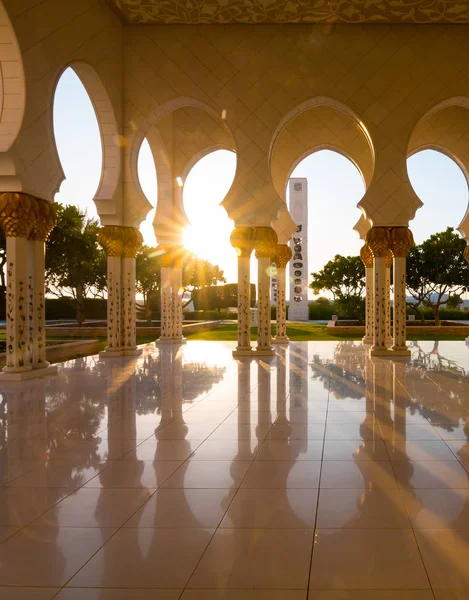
298	307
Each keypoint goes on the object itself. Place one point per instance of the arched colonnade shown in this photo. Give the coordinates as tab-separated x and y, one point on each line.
182	128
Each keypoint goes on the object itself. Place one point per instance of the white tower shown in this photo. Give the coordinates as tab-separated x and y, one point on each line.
298	306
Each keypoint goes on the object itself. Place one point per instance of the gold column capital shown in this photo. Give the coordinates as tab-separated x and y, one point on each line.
401	241
132	241
388	259
367	256
25	216
110	238
282	255
265	242
120	241
241	239
377	239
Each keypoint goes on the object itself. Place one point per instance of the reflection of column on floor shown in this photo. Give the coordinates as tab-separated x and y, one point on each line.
281	363
26	427
122	409
299	379
244	401
170	377
263	398
367	259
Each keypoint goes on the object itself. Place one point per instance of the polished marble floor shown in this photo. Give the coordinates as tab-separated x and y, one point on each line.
184	474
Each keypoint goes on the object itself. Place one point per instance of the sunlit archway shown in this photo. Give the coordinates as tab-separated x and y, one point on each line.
208	235
335	186
78	141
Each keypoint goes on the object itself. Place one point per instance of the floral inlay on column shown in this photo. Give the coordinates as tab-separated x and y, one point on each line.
378	241
283	254
401	241
242	241
265	243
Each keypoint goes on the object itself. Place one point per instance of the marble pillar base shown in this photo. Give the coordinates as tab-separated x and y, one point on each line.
379	351
111	353
7	376
243	352
163	341
367	340
280	340
389	341
264	352
132	351
398	352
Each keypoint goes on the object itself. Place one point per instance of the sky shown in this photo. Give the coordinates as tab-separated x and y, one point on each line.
335	186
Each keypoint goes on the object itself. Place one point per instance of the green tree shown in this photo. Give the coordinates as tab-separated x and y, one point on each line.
198	274
437	273
148	265
344	277
75	263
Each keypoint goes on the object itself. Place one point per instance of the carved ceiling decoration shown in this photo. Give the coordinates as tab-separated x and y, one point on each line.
159	12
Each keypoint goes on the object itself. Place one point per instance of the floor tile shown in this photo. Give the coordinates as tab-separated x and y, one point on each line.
186	431
23	593
19	506
59	474
344	417
243	595
163	450
209	474
361	474
363	559
290	450
423	431
212	449
353	431
145	558
297	431
419	450
95	507
281	560
231	431
272	509
361	509
183	508
6	532
445	553
135	474
283	474
438	509
115	594
355	450
431	474
48	556
452	433
370	595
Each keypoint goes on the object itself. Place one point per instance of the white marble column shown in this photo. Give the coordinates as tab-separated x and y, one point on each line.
377	240
129	311
114	306
265	243
19	281
38	251
367	259
283	254
176	304
388	299
401	241
166	320
242	241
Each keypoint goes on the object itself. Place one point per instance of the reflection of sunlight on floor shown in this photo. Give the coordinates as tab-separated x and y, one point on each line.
206	352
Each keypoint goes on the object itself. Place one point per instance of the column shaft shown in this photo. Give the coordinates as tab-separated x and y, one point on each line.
114	304
38	251
166	305
129	308
244	304
18	309
263	285
369	316
281	308
388	306
176	302
379	330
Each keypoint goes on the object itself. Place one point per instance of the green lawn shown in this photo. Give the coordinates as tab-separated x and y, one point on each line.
298	332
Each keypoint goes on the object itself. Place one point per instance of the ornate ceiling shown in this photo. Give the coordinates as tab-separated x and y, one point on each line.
158	12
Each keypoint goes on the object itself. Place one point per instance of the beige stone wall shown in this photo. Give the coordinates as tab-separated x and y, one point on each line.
385	77
50	36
